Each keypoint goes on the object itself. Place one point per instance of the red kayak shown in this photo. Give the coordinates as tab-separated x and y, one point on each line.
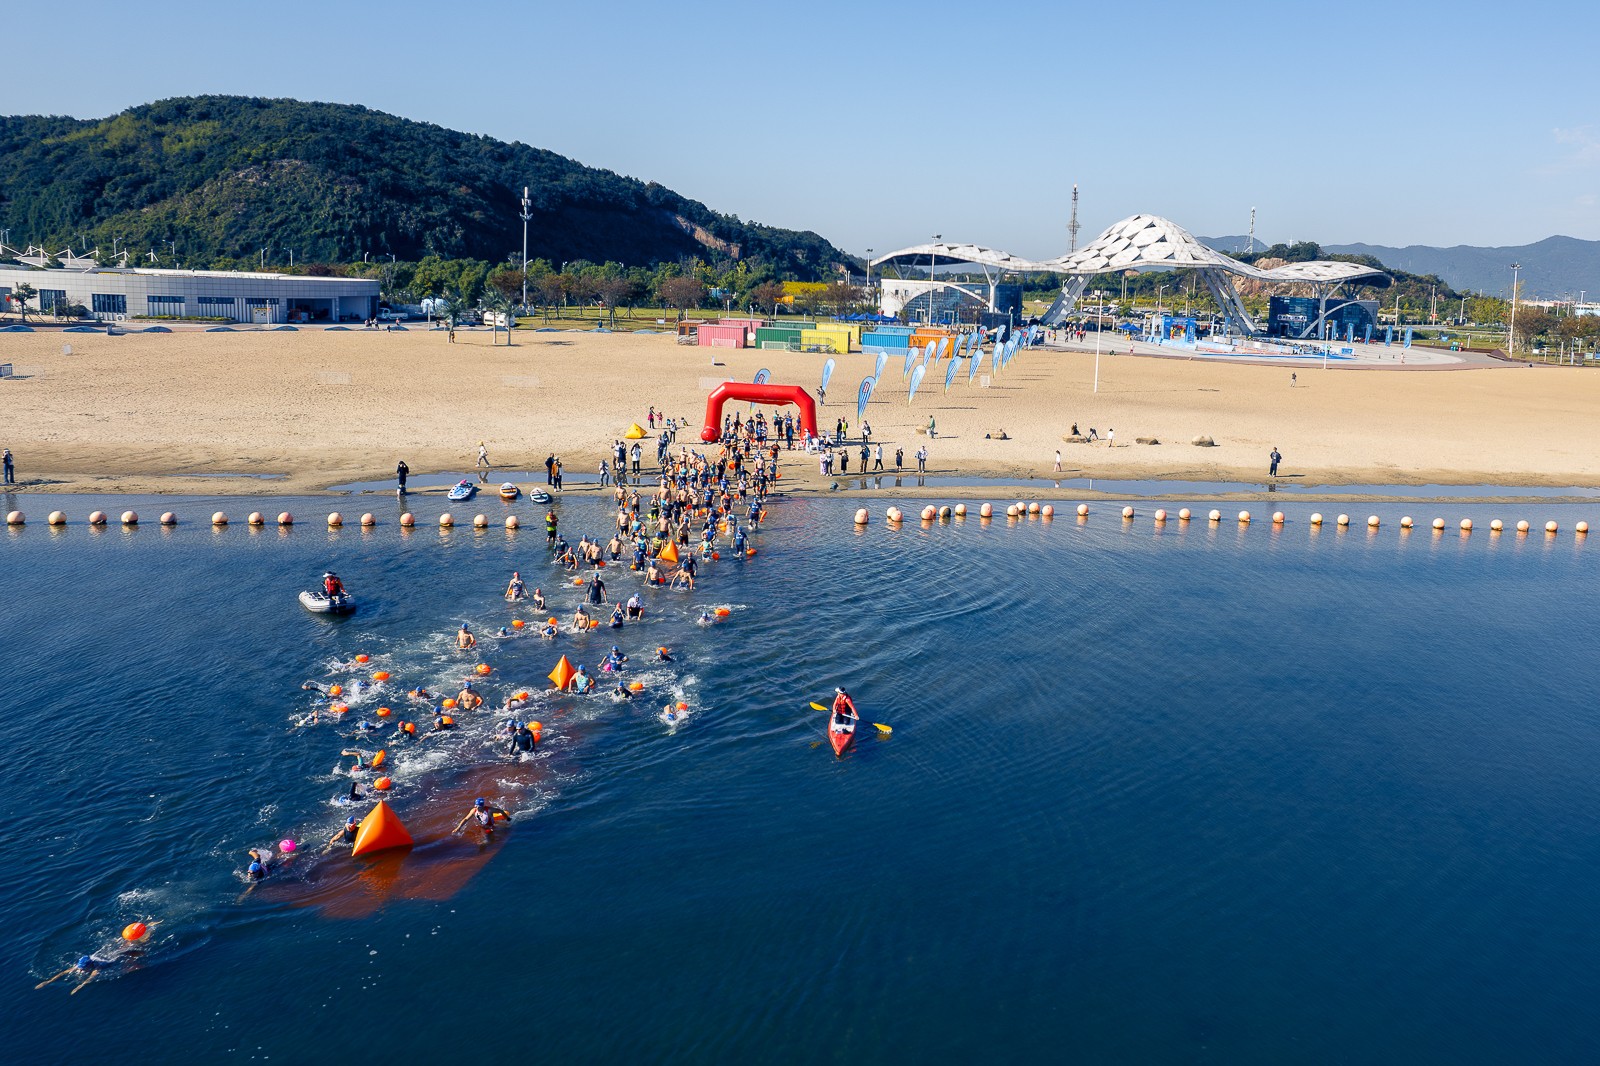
840	738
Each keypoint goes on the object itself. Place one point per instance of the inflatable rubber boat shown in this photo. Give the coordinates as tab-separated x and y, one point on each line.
539	496
462	490
508	491
318	603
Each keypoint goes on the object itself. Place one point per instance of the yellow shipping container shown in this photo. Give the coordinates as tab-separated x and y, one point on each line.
851	328
824	340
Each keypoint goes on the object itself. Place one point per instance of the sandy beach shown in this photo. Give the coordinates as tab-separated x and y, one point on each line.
148	413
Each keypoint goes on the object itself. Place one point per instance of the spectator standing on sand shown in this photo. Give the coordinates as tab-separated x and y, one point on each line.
401	471
1276	458
922	459
10	468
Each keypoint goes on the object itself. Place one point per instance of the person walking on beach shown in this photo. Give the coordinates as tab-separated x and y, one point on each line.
1276	458
483	455
1058	458
10	468
1294	376
401	472
605	473
1111	438
877	457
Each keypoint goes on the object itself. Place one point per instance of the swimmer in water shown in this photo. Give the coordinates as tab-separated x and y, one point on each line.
442	721
503	632
548	630
705	617
580	620
483	812
614	661
467	699
581	683
465	641
421	694
523	741
635	608
91	966
516	589
616	617
538	600
669	713
345	835
360	757
621	692
663	655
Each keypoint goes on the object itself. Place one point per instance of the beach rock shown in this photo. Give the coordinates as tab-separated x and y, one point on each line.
1203	442
1146	440
1000	434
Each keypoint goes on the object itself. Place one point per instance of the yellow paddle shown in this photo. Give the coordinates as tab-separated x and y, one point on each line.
879	726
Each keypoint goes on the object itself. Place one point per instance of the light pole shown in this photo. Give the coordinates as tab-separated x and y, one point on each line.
1511	330
869	273
1099	315
526	214
931	281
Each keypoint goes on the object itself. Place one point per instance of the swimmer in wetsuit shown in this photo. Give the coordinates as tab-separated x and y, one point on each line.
663	655
483	811
345	835
523	741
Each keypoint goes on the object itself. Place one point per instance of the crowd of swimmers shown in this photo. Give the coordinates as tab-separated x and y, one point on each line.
702	502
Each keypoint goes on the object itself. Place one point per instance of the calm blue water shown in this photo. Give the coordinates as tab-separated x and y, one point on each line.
1201	794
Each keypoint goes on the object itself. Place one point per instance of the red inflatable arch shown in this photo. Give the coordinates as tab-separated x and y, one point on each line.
773	394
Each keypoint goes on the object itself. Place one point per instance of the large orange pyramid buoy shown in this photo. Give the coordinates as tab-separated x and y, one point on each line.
562	673
381	830
670	552
635	432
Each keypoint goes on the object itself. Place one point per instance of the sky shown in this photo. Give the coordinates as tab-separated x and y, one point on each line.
881	124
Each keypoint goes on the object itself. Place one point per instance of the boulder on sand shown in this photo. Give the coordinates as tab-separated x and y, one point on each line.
1203	442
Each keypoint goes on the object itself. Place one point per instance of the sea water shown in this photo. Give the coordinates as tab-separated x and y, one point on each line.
1201	792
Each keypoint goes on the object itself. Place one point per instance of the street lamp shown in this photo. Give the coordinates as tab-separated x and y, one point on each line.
869	272
1099	315
1511	330
526	214
932	283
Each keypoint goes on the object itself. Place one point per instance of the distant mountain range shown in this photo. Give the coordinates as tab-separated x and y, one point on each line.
219	178
1554	268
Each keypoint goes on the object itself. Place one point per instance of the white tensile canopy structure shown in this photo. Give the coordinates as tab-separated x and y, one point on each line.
1149	243
1139	243
899	291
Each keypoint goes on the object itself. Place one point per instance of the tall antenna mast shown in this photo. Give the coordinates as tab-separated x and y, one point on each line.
1072	227
1252	229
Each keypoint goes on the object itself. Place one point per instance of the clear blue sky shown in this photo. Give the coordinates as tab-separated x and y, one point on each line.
878	124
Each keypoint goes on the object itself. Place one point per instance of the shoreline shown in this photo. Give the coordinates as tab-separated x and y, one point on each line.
276	415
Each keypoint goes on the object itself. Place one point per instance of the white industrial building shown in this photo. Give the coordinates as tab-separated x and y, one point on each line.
114	294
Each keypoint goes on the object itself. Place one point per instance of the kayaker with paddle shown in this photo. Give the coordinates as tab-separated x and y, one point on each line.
844	713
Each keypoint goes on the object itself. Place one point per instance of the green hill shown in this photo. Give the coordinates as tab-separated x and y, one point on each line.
225	176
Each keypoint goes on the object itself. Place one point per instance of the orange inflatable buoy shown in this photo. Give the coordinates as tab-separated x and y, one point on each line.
636	686
577	581
362	658
447	704
723	612
336	690
380	830
135	931
750	552
380	758
517	623
669	553
522	695
381	675
448	720
682	706
384	712
383	784
339	708
484	669
536	726
594	623
716	555
562	673
499	816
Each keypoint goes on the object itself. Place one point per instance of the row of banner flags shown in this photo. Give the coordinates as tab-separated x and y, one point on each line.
918	360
